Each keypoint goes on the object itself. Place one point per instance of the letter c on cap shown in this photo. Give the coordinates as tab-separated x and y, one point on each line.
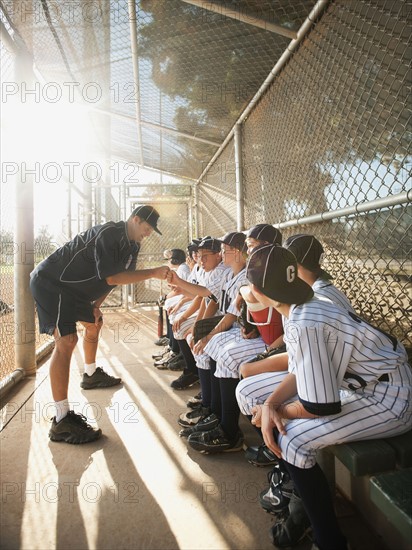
290	273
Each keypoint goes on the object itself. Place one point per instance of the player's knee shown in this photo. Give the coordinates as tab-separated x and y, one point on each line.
244	370
66	344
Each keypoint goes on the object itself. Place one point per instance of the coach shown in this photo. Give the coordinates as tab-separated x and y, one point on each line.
69	286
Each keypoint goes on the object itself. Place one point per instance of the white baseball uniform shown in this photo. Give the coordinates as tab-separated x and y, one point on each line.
227	296
254	390
212	281
353	376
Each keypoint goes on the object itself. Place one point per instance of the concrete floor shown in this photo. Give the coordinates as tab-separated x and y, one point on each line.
139	486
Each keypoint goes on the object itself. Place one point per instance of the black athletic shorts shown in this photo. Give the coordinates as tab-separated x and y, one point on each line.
58	308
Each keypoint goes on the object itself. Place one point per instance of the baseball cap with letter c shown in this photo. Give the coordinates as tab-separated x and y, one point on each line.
148	214
274	271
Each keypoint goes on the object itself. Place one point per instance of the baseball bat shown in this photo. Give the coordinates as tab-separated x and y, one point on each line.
160	321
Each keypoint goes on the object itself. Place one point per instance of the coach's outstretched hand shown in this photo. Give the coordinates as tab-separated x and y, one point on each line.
173	278
161	272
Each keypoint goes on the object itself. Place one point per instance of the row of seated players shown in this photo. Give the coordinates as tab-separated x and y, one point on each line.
218	287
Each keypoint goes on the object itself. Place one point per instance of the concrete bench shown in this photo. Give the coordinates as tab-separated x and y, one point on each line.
391	492
375	455
389	462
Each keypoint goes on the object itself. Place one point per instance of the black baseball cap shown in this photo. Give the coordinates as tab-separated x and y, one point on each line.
149	214
265	232
193	245
274	271
178	256
308	252
234	239
209	243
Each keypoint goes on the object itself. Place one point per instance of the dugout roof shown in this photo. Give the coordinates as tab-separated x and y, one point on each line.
163	87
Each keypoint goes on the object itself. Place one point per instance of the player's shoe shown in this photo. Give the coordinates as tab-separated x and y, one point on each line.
73	428
261	456
162	341
277	497
291	531
99	379
184	381
193	402
204	425
165	358
193	417
161	353
177	363
215	441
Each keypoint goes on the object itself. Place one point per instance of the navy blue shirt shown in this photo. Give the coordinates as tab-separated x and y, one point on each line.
82	264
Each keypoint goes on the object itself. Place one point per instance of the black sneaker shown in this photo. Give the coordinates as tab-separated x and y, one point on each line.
215	441
193	402
276	498
179	364
194	416
73	428
204	425
185	381
261	456
99	379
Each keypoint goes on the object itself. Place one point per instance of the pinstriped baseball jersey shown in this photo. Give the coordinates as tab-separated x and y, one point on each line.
229	349
323	288
226	296
330	349
212	281
229	291
355	377
196	276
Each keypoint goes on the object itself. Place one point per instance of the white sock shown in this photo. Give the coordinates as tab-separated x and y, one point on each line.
90	368
62	408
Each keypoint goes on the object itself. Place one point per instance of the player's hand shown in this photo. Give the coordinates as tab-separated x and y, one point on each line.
270	418
160	272
98	316
249	335
200	346
257	416
177	323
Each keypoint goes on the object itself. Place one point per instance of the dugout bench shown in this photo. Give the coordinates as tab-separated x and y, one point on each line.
383	469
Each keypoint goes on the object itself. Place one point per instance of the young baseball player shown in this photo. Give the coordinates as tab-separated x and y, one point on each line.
210	261
346	381
259	376
226	352
234	257
171	356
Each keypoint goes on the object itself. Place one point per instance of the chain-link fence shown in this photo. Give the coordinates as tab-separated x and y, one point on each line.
333	131
217	196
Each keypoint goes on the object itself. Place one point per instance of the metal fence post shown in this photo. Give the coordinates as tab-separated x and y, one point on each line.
25	335
240	206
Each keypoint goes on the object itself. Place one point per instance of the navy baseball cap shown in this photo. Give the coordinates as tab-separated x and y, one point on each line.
274	271
265	232
178	256
234	239
193	245
149	214
308	252
209	243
